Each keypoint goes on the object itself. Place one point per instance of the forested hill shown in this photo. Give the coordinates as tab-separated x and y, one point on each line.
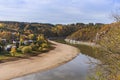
49	30
86	33
19	26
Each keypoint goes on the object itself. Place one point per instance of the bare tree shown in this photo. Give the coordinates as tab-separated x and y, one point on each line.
116	17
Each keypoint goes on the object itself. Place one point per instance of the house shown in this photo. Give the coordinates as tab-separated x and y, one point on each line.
8	47
16	43
28	42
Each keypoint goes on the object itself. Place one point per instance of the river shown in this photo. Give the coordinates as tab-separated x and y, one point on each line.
77	69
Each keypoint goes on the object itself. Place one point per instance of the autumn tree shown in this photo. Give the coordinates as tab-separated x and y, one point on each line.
22	38
31	36
13	51
1	26
85	33
40	37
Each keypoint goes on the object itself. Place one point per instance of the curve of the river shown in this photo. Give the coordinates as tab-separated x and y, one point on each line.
77	69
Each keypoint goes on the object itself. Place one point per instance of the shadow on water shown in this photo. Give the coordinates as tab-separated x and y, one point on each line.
77	69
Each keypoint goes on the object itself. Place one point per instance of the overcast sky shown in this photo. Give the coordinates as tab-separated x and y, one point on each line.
58	11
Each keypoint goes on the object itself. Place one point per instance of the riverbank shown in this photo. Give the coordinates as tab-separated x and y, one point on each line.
61	54
87	48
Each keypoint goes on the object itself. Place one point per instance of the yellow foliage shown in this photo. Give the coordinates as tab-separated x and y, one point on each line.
31	36
17	34
118	77
40	37
13	51
42	49
22	38
59	27
110	50
44	45
1	26
26	49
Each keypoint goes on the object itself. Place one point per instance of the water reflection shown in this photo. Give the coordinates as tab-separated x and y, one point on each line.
77	69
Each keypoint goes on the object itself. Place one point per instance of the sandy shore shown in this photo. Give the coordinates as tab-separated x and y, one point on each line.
61	54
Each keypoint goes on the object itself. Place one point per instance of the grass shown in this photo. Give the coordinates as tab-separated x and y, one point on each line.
60	41
2	57
88	50
5	56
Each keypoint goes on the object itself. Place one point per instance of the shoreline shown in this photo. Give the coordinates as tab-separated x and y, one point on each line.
87	43
60	55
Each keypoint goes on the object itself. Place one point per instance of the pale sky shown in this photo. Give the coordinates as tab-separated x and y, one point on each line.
58	11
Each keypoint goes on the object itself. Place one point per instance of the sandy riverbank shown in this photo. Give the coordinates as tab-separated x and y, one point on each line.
61	54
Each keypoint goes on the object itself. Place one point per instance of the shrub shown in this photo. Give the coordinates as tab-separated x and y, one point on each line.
26	49
44	45
42	49
34	47
13	51
19	49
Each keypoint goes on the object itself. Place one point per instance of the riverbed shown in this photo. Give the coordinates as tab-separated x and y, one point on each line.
77	69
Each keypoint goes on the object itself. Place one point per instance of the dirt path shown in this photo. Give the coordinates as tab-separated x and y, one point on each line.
61	54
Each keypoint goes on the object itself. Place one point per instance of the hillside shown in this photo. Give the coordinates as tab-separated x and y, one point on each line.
21	26
87	33
78	31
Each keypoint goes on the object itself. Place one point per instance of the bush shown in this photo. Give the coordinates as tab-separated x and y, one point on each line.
19	49
34	47
43	49
13	51
26	49
44	45
40	48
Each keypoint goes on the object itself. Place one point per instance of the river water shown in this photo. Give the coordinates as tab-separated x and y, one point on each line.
77	69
